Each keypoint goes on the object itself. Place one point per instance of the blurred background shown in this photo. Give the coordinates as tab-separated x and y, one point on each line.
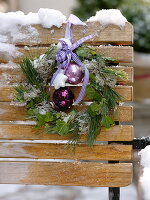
138	13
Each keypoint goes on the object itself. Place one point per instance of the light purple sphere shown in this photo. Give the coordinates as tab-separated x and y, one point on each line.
74	74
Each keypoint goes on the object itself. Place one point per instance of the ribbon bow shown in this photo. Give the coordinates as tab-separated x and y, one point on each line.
66	54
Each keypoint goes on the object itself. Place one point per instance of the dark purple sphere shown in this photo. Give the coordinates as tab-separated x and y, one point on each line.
74	74
63	97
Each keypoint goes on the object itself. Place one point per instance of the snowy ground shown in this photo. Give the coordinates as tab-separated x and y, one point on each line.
19	192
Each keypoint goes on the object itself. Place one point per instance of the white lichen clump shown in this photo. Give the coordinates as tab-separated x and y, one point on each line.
107	17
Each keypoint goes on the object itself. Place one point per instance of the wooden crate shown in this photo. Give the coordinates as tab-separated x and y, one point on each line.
32	151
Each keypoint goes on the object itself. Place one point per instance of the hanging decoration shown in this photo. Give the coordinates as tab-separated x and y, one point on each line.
48	96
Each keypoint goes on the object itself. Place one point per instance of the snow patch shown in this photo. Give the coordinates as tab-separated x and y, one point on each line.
11	30
145	179
145	157
51	17
107	17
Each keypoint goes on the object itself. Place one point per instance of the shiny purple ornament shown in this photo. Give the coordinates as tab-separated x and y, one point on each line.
74	73
63	97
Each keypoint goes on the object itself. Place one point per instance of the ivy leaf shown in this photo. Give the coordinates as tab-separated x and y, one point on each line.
94	109
62	127
48	117
107	121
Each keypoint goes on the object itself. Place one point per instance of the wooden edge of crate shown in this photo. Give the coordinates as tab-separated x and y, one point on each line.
110	34
62	173
7	92
19	113
35	150
120	53
27	132
10	75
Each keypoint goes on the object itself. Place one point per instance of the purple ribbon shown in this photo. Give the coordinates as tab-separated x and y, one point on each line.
66	54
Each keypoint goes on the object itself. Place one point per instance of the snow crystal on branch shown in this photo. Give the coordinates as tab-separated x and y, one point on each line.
110	16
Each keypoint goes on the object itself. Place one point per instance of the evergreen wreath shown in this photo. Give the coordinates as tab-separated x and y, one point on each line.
74	63
58	120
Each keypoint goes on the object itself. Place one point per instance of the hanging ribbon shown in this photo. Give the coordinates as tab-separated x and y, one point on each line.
66	54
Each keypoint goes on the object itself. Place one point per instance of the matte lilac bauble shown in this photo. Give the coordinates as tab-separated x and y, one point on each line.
74	74
63	97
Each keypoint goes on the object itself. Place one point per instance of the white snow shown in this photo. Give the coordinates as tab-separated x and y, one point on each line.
109	16
9	50
11	28
50	17
38	192
145	179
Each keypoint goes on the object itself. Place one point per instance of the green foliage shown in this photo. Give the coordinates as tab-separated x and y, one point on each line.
62	127
138	13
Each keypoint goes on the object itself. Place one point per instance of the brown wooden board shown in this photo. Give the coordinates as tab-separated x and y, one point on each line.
105	35
18	113
60	151
120	53
8	92
9	75
75	174
27	132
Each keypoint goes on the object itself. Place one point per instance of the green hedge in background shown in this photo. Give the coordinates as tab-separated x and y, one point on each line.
136	11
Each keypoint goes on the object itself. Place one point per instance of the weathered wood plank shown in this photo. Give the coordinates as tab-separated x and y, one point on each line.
59	151
10	75
109	35
18	113
27	132
120	53
75	174
7	92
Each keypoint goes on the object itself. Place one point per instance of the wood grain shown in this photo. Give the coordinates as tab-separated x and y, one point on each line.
27	132
105	35
120	53
60	151
18	113
9	75
74	174
7	92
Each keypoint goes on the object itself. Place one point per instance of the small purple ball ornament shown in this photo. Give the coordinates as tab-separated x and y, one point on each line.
63	97
74	74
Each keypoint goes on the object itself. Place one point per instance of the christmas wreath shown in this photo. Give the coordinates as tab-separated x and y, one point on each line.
62	66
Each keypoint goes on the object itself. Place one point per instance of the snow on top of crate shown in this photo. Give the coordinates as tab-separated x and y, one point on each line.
46	17
12	22
109	16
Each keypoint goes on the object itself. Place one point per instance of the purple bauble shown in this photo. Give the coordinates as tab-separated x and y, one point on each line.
63	97
74	73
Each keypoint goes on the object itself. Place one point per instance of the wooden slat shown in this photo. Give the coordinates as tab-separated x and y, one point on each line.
108	35
27	132
14	75
75	174
7	92
60	151
121	53
11	113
